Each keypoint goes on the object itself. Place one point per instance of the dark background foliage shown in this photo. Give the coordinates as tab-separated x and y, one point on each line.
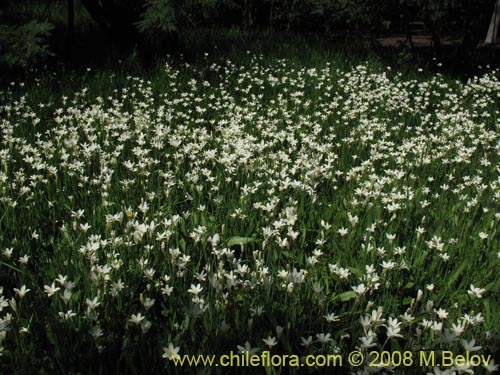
83	32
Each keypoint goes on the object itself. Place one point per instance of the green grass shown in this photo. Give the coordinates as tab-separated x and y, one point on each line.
291	182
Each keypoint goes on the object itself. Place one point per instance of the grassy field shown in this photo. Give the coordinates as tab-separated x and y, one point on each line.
305	201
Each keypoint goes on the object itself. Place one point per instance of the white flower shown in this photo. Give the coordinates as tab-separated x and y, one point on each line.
279	330
21	292
442	313
476	292
368	341
67	315
491	367
270	341
195	289
136	319
171	352
92	304
331	318
66	296
96	332
360	289
50	290
148	303
145	326
248	348
437	326
324	338
420	293
85	227
407	317
393	328
306	341
469	346
478	319
167	290
458	328
140	230
388	265
258	311
8	252
438	371
342	231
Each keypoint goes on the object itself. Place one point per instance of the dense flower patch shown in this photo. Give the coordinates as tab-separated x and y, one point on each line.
267	205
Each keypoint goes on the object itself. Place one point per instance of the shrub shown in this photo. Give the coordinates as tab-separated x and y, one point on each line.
25	44
158	16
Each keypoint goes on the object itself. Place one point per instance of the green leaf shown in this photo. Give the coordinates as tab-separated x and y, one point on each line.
11	267
409	285
457	273
407	301
269	370
356	271
347	296
23	45
159	15
487	311
240	241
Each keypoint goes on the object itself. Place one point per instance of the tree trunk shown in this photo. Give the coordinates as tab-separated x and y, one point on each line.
96	13
114	19
245	15
474	28
436	40
491	37
271	16
291	15
251	11
403	11
71	27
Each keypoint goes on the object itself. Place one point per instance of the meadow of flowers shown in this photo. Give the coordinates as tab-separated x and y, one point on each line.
266	205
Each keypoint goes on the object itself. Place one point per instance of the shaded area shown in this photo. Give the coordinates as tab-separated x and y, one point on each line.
106	33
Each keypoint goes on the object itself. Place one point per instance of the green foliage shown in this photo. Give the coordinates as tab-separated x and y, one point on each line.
158	16
360	14
203	12
24	45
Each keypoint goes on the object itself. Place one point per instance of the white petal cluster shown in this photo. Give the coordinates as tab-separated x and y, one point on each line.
314	208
